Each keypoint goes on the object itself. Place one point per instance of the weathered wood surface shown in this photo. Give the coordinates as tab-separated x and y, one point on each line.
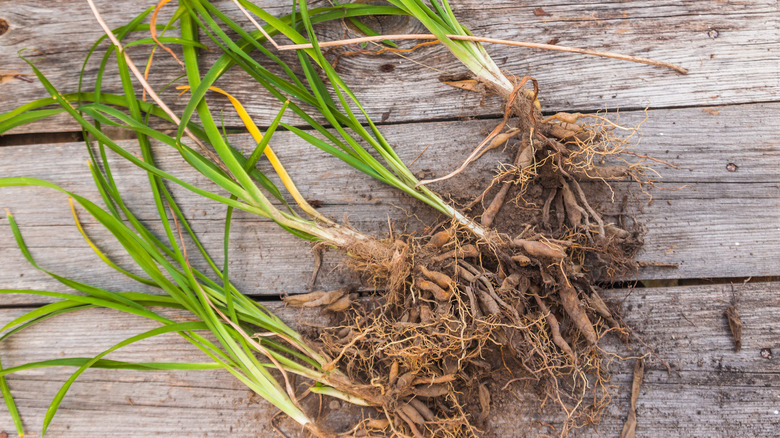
712	222
718	392
731	49
723	224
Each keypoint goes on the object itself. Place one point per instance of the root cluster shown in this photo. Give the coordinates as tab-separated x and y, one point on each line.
462	316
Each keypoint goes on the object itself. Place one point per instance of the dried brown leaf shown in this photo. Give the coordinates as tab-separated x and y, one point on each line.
467	84
735	324
629	428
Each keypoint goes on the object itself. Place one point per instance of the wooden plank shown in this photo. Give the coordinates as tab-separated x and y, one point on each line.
719	393
721	224
719	42
707	234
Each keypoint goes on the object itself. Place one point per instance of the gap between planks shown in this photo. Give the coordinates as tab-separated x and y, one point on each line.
746	46
718	394
720	226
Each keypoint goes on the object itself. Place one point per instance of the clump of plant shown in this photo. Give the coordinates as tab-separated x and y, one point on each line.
451	302
472	291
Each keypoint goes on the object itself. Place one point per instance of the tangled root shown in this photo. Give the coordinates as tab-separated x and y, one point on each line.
457	312
430	347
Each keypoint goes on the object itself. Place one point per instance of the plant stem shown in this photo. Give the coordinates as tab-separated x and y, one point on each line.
556	48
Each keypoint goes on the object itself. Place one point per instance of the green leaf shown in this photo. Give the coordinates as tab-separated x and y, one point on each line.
55	403
10	404
112	365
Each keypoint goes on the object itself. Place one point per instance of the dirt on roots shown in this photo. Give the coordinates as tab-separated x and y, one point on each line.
459	315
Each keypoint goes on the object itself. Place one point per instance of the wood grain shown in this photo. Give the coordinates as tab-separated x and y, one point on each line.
719	393
731	49
716	216
710	221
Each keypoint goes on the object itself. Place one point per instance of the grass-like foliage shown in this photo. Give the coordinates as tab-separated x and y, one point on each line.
219	310
475	293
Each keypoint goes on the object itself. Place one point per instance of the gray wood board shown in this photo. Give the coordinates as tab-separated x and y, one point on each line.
730	48
719	393
712	222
